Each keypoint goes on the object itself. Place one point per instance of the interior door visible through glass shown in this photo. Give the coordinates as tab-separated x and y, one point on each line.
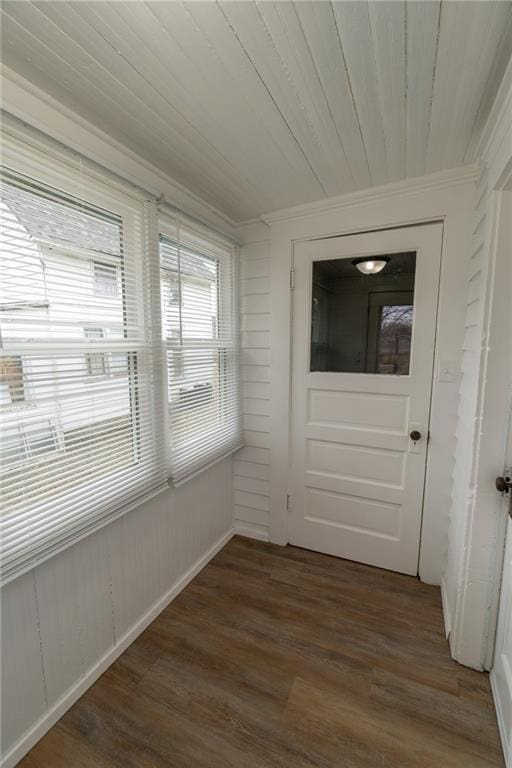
362	314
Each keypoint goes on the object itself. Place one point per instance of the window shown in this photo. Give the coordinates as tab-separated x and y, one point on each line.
80	331
28	442
96	362
393	334
170	289
105	279
362	322
12	388
40	439
12	448
200	333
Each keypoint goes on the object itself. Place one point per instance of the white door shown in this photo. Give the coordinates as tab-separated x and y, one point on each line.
501	674
363	347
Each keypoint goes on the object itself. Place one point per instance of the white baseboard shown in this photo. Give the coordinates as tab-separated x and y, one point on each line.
447	614
38	730
252	530
507	752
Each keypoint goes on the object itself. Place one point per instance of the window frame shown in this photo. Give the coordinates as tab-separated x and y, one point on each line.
22	401
101	263
103	356
42	162
226	256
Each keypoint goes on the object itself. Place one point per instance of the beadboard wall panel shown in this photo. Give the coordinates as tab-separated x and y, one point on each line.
251	489
75	612
471	582
471	347
62	622
23	682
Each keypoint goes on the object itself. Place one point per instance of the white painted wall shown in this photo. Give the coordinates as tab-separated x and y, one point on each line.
470	584
446	196
64	622
251	468
473	287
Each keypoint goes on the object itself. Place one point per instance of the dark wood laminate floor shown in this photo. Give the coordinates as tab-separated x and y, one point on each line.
282	657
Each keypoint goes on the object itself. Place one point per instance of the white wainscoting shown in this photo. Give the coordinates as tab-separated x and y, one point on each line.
67	620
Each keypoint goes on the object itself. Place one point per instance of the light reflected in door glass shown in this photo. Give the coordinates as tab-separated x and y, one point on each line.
362	323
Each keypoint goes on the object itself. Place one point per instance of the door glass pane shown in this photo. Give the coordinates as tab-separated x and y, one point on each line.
361	321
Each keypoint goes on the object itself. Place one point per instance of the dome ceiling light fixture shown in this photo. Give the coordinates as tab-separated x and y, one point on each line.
371	265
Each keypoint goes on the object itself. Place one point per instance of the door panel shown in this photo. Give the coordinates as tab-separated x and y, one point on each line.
362	369
355	463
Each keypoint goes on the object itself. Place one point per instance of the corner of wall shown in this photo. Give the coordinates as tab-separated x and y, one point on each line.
251	465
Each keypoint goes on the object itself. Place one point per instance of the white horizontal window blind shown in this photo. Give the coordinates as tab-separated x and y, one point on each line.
200	329
81	399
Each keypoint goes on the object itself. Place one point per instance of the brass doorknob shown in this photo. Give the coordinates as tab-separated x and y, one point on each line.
503	485
415	435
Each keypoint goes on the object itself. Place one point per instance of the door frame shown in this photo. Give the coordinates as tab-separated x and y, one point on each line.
425	425
446	197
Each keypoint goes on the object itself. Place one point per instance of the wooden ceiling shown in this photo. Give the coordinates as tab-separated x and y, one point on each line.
256	106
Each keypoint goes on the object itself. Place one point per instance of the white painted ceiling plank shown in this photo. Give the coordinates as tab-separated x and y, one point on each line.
422	20
490	89
454	33
485	32
353	22
98	31
320	30
285	29
250	89
298	178
388	32
22	50
267	105
74	68
256	41
185	72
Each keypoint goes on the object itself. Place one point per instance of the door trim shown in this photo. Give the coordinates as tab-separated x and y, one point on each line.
409	207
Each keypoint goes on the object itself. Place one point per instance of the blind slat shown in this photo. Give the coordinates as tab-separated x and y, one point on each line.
108	335
81	393
200	328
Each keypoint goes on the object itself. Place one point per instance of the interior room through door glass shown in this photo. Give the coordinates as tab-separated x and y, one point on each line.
361	318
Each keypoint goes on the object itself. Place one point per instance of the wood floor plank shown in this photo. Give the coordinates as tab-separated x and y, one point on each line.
276	657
